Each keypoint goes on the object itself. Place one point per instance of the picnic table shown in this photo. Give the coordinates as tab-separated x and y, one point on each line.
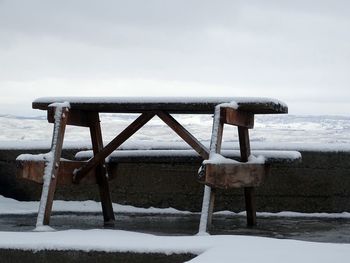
51	169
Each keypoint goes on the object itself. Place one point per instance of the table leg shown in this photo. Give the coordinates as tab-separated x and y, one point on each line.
249	192
209	192
101	173
52	166
211	208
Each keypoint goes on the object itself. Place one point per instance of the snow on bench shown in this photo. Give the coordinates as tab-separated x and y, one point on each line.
159	156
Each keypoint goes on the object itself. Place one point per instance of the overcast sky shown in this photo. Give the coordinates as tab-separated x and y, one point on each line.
296	51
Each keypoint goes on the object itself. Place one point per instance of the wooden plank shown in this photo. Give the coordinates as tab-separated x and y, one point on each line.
34	170
184	134
171	105
227	176
238	118
114	144
101	172
76	117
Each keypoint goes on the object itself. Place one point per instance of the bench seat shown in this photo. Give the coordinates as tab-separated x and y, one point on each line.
188	156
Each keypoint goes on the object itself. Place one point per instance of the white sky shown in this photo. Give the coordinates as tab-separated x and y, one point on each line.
297	51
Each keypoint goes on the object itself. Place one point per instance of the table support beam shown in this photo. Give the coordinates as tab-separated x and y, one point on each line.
184	134
113	145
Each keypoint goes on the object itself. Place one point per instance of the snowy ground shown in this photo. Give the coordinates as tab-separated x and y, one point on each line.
209	248
215	248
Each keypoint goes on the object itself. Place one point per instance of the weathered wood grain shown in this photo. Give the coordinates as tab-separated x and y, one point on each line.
227	176
237	118
34	171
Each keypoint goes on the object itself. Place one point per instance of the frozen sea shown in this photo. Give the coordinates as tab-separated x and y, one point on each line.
275	131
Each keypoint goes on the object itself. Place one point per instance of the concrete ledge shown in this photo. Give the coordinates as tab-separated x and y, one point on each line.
71	256
320	183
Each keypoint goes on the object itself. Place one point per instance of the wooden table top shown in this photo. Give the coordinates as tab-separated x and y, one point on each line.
177	105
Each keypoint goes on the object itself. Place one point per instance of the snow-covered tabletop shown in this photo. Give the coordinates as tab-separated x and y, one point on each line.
194	105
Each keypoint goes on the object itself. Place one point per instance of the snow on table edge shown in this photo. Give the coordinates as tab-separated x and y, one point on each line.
149	99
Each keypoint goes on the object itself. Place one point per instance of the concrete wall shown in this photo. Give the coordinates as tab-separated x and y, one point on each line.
321	183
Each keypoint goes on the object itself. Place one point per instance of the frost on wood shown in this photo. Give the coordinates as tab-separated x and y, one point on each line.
205	211
216	158
49	158
33	157
45	189
215	130
213	155
256	157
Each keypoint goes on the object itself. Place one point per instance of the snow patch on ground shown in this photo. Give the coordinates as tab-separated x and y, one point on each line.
10	206
209	248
